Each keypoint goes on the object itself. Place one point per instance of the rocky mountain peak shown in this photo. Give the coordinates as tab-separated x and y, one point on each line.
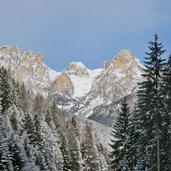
76	89
28	68
119	77
38	58
63	84
77	68
125	58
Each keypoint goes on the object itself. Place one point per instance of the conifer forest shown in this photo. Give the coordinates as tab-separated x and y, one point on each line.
35	135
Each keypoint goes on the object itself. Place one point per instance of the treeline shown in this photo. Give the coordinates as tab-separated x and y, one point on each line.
35	135
142	137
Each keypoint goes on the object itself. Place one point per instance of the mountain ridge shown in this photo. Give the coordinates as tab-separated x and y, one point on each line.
76	89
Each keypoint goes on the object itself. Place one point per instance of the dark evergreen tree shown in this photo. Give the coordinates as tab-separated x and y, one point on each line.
67	161
33	128
24	100
168	104
38	143
58	120
28	125
29	151
34	134
73	142
19	159
6	95
5	155
5	102
149	111
119	153
13	113
88	150
132	141
37	138
142	128
14	89
165	95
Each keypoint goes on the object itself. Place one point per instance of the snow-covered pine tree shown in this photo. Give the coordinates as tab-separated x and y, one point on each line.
23	99
14	88
51	149
28	125
67	160
6	95
149	109
37	138
32	127
118	155
30	152
52	142
56	118
132	140
13	119
165	95
5	155
38	142
102	156
73	137
19	158
168	103
88	150
125	164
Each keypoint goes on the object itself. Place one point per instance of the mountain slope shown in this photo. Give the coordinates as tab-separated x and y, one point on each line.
27	68
93	94
35	135
118	79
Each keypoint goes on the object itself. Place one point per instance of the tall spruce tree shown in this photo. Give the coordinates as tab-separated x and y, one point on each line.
73	142
149	110
118	155
88	149
5	155
166	103
131	141
6	95
67	161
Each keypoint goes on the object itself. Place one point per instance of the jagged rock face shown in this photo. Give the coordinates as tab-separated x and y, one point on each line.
76	80
63	84
77	68
27	68
93	94
119	77
118	80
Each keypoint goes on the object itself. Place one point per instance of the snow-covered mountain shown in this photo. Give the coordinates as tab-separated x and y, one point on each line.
76	81
93	94
28	68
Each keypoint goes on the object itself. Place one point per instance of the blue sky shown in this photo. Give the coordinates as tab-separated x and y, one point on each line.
91	31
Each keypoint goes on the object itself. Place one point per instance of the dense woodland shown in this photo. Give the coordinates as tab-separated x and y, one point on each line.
35	135
142	138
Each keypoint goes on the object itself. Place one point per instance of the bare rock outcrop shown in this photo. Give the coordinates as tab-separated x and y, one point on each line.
118	78
77	68
94	94
27	68
63	84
